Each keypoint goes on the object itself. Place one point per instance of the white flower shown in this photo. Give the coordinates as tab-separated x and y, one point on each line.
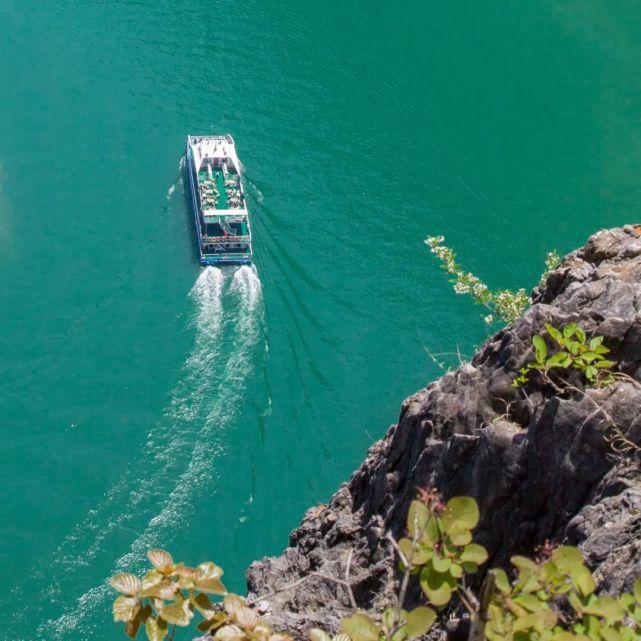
433	241
461	288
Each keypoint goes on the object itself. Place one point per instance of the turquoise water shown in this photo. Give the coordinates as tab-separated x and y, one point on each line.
146	402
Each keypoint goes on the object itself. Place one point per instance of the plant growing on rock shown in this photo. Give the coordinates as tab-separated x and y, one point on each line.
169	595
549	598
553	598
439	551
575	352
503	304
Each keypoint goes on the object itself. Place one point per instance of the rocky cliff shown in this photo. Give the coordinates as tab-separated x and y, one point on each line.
547	466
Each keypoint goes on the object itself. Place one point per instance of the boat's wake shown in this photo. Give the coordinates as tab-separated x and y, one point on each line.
175	464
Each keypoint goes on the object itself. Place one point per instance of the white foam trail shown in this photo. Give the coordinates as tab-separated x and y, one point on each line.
199	474
170	191
185	401
247	284
230	392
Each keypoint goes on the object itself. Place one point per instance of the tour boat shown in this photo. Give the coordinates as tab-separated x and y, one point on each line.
220	212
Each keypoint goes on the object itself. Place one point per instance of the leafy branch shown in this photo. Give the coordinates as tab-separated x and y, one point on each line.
171	593
550	598
502	304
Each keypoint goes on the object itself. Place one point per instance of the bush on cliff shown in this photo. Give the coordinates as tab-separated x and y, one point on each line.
503	304
549	598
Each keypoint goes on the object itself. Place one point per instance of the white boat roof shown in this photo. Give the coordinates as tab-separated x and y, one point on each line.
221	147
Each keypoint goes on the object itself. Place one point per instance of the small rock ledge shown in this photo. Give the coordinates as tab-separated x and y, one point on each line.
540	469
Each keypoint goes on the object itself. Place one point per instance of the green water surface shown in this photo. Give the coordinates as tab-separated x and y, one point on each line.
144	403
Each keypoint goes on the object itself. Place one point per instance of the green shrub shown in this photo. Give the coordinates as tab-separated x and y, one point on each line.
550	598
503	304
575	352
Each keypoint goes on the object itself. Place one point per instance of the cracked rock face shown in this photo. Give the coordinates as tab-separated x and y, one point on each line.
542	467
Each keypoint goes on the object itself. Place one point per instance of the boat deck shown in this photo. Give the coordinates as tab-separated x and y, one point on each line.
219	192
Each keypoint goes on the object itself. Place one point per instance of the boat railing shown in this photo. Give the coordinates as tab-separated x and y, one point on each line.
225	239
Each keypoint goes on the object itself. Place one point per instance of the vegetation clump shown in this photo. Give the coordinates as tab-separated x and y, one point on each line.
170	594
549	598
575	352
503	304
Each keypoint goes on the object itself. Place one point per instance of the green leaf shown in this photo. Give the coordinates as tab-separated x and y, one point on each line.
523	563
469	567
316	634
456	570
606	607
627	600
540	348
416	555
431	533
525	622
555	334
360	627
417	518
440	564
387	619
568	636
559	359
539	621
604	364
461	513
419	621
575	601
474	553
590	372
584	580
574	347
610	634
460	538
530	602
501	581
567	558
437	587
580	334
156	629
636	589
569	330
595	342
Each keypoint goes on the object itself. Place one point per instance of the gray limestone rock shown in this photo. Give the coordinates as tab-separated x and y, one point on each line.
541	468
